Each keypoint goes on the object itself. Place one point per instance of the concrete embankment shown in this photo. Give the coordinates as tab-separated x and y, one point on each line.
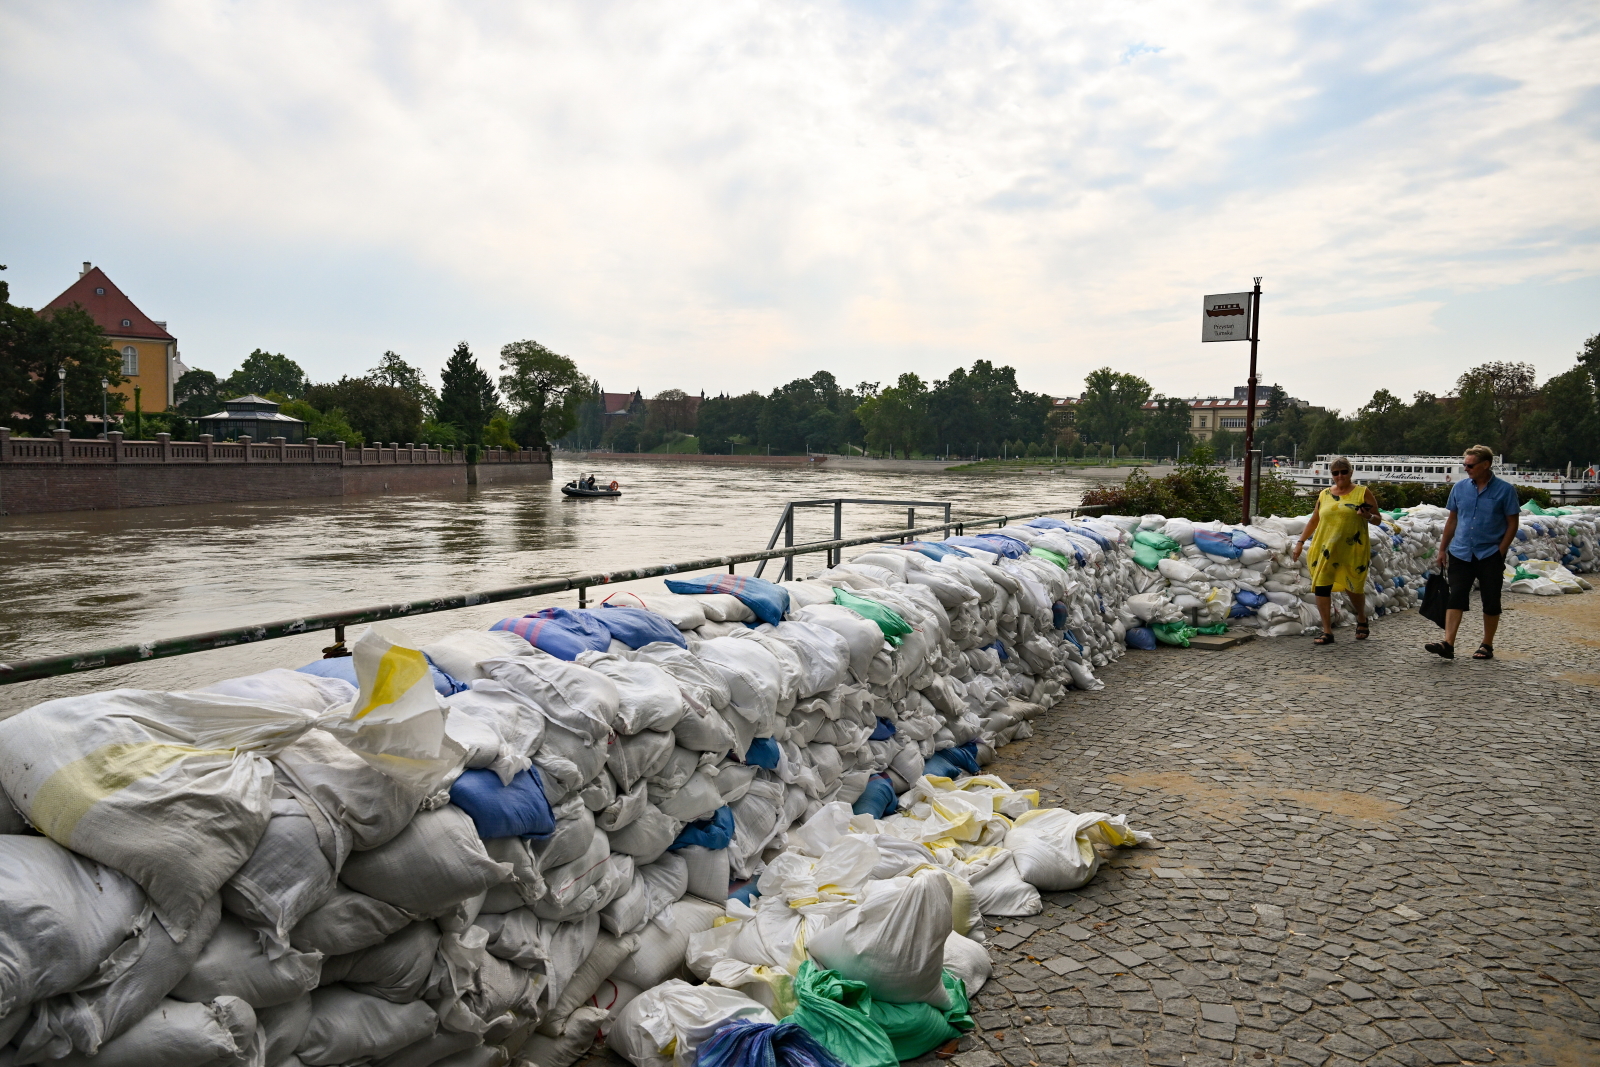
859	463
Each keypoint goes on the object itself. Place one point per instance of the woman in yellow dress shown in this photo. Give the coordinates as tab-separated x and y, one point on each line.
1340	550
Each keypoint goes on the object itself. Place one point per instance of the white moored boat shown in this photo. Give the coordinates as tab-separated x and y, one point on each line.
1443	470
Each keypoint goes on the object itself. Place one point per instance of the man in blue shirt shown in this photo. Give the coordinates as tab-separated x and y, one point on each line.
1481	527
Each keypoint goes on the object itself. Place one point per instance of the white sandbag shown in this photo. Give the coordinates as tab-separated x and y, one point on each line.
348	922
654	887
235	963
639	756
650	697
707	871
576	1038
287	688
803	594
694	800
753	675
565	883
862	636
574	833
287	877
396	970
999	889
684	612
440	1050
499	727
661	945
515	937
1054	848
458	654
348	1026
62	916
608	951
171	789
527	877
702	688
648	836
359	797
221	1033
435	862
704	731
894	942
967	960
625	808
583	701
282	1028
85	1019
567	945
665	1026
824	655
723	607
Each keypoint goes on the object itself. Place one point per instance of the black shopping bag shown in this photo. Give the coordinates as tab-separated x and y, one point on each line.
1434	598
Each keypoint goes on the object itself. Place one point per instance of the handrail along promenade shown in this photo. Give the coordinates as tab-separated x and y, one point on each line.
78	662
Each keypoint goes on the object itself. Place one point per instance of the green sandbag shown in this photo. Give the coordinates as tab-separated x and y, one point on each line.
1216	629
917	1029
1150	548
837	1012
1532	507
888	621
1054	557
1173	633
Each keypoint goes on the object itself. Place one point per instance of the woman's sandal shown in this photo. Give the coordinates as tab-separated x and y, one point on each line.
1443	649
1484	652
1325	639
1362	633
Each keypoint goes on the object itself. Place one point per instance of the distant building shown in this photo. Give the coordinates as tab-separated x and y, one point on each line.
1209	414
255	417
149	353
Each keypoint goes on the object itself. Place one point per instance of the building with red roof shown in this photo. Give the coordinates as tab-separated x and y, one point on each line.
149	352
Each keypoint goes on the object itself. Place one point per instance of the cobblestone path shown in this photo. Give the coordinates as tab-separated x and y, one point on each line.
1364	855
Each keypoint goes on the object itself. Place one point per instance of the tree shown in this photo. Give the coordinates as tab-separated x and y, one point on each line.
266	372
198	393
34	347
467	397
590	422
1111	406
328	427
896	419
671	411
381	413
1588	357
721	419
1166	427
1566	428
393	370
536	383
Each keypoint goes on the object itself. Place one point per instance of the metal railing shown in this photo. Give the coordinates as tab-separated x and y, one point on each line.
786	523
120	655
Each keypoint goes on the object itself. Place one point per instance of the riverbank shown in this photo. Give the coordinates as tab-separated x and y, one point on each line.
831	461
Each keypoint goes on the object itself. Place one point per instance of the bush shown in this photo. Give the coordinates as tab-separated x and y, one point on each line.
328	427
498	433
440	434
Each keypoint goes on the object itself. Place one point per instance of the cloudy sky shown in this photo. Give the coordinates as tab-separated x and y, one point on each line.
724	196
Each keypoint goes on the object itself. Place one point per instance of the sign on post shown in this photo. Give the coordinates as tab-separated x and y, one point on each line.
1226	318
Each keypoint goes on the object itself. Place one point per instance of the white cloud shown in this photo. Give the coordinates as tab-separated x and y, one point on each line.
729	195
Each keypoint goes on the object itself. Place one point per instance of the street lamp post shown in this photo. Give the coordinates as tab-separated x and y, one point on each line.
61	372
104	423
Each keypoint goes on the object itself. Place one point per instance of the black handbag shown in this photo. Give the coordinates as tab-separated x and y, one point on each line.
1435	598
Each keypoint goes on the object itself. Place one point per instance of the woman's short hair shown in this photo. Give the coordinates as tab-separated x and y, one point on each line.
1482	452
1340	463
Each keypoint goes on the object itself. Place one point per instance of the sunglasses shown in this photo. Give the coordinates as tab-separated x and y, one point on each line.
1341	470
1469	466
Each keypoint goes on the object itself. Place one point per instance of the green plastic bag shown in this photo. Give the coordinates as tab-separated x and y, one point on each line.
1177	632
1054	557
1150	548
1532	507
838	1013
917	1029
1216	629
888	621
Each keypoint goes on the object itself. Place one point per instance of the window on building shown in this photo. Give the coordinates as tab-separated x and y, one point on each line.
1232	424
127	322
130	361
100	291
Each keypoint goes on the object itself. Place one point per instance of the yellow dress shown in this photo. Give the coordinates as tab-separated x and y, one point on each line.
1340	551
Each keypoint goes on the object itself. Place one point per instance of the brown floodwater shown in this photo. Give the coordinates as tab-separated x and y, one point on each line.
78	581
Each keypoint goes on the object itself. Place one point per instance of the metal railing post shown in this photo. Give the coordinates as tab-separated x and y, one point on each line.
788	542
834	557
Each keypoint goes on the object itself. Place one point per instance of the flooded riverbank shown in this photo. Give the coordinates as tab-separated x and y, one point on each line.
84	580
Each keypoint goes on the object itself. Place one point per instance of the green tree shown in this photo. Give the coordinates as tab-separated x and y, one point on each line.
467	397
266	372
1166	427
380	413
1588	357
537	383
498	433
198	393
1112	405
722	419
328	427
1566	427
393	370
896	419
590	422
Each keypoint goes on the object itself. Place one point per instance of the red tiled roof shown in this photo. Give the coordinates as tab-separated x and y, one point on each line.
109	308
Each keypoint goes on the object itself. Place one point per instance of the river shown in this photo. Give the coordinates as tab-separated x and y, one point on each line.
77	581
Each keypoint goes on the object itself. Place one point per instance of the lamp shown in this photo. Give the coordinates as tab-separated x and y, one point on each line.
61	372
105	384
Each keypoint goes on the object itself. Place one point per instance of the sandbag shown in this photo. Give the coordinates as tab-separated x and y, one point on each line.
436	861
650	697
707	871
684	612
607	953
348	922
662	943
894	942
288	876
648	836
743	1044
575	1037
396	969
969	961
460	653
514	809
835	1010
1054	848
637	627
561	632
283	1026
499	728
61	917
235	963
664	1026
346	1025
221	1033
367	803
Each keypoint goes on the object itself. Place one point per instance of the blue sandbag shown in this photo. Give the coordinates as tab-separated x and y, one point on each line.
636	627
713	832
883	731
745	893
1217	544
937	549
560	632
742	1043
1242	540
1000	650
1240	610
877	799
1047	523
768	600
999	544
344	668
763	752
1250	597
1142	638
1060	615
953	762
516	810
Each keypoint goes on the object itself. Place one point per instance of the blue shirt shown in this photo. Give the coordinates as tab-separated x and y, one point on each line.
1480	517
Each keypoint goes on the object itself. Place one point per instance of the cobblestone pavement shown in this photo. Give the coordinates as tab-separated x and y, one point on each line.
1364	855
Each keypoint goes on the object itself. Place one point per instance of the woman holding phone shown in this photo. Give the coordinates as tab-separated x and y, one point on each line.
1340	550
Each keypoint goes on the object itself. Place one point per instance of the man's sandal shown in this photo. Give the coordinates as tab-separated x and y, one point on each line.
1443	649
1325	639
1484	652
1362	633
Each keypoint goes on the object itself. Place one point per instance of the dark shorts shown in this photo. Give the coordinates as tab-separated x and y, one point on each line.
1322	590
1488	572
